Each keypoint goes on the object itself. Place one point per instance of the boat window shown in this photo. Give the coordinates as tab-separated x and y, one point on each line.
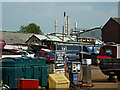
109	52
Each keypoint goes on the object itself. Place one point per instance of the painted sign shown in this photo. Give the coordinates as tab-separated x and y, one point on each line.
75	77
60	59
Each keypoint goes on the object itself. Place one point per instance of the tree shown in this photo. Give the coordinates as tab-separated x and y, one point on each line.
31	28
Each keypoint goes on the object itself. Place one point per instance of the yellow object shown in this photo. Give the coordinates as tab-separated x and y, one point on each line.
58	81
98	61
1	81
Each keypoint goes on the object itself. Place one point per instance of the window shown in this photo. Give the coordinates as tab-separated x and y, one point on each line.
96	50
30	52
64	47
46	55
40	54
52	54
109	52
23	53
71	52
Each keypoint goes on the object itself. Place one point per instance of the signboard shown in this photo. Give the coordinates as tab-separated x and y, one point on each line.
75	78
86	61
60	59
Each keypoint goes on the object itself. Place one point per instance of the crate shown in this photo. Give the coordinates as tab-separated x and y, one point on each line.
58	81
28	84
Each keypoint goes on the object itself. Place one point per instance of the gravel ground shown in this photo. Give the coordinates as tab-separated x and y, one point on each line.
97	74
100	80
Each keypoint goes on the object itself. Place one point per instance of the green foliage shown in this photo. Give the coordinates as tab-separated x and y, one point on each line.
31	28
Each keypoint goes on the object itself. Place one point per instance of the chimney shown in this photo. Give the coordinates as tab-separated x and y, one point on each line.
75	27
68	26
55	26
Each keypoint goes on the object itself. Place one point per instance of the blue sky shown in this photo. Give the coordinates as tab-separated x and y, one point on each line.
86	14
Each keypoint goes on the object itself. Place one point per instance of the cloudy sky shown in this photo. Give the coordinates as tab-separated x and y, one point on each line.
86	14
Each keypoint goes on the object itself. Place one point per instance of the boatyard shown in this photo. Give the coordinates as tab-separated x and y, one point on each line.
62	46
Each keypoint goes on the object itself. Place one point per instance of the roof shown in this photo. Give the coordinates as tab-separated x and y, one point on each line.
73	38
117	20
42	37
86	38
46	37
65	38
14	37
93	29
54	38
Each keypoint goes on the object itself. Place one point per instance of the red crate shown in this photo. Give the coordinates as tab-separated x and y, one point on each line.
28	84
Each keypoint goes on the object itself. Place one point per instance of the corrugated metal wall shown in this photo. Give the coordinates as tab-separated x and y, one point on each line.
96	33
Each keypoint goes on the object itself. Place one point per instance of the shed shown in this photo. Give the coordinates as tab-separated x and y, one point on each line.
111	30
37	39
14	37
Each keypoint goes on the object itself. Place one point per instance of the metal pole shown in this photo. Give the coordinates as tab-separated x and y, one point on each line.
77	37
55	57
81	61
64	26
82	50
63	33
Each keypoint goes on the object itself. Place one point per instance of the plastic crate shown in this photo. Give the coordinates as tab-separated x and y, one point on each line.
58	81
28	84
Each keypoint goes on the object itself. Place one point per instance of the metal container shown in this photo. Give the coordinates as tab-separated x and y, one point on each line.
25	67
86	69
10	72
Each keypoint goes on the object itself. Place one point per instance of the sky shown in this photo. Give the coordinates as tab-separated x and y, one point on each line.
86	14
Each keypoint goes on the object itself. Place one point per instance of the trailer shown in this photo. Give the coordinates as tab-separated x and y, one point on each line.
109	60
